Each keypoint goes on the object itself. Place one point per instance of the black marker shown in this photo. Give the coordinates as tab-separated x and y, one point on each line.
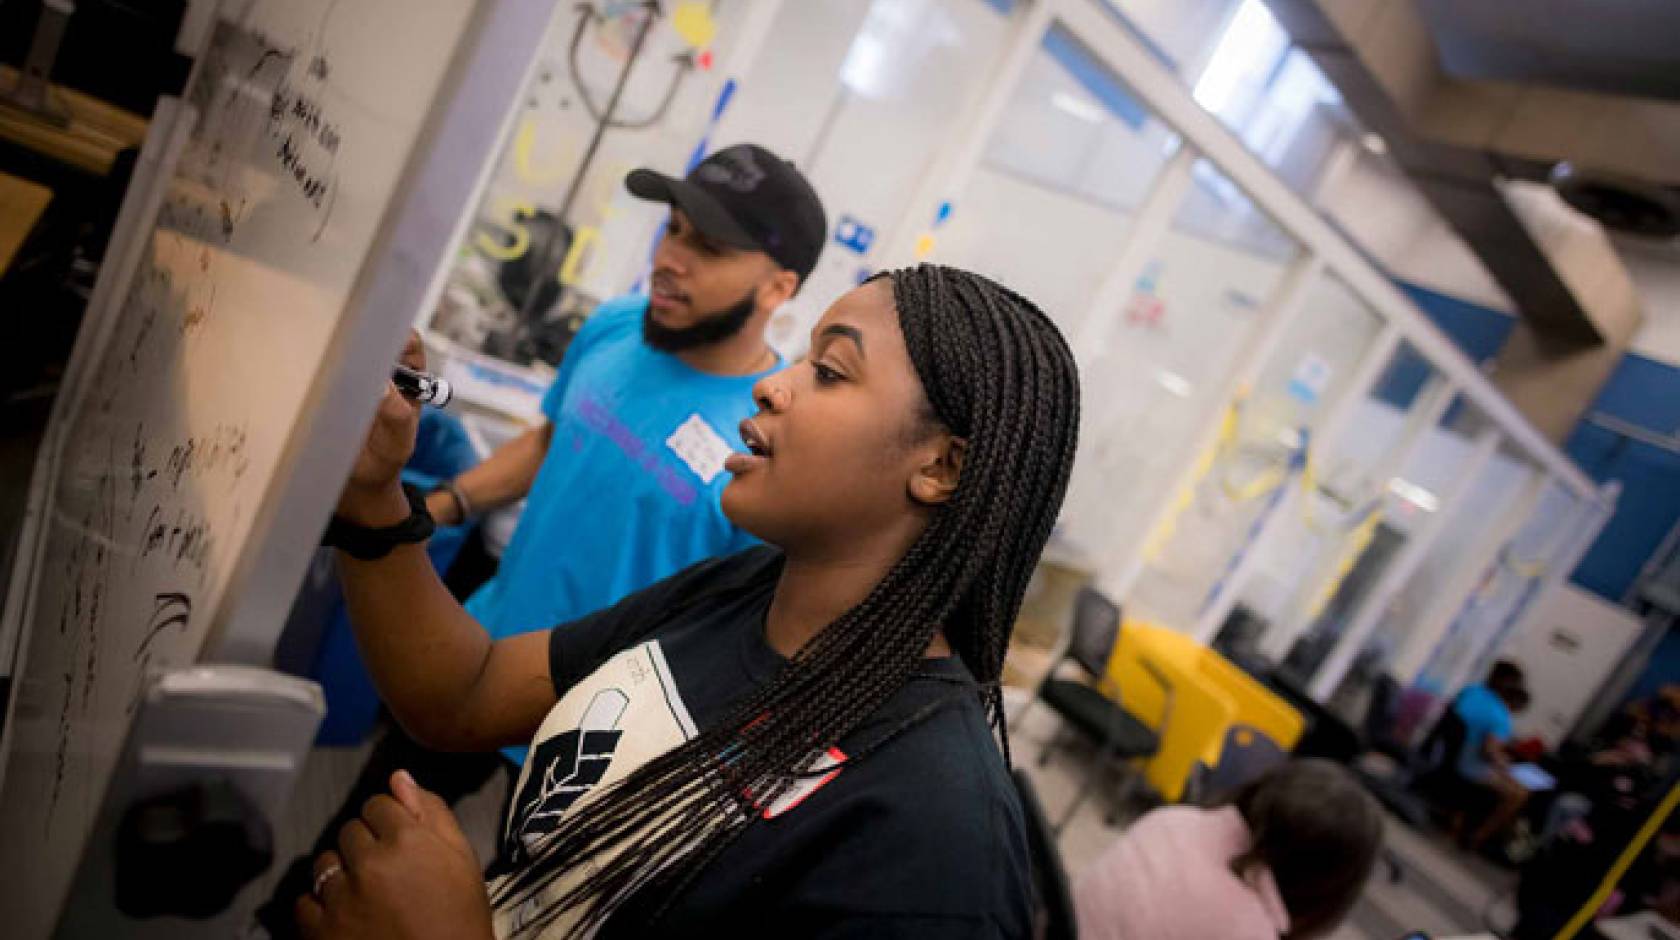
422	387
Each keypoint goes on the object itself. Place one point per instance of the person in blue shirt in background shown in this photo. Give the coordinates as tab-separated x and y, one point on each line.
1483	762
622	481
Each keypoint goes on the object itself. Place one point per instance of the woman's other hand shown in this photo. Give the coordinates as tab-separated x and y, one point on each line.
404	871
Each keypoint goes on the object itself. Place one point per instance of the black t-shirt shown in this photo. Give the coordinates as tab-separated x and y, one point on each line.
922	838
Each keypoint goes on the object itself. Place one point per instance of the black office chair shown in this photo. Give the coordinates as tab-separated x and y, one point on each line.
1053	917
1083	707
1436	776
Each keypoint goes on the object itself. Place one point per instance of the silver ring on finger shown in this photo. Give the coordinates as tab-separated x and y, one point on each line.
327	874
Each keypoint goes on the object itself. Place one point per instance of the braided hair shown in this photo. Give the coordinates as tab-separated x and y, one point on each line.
997	374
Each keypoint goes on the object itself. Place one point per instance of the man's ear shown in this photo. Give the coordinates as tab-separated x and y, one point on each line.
777	289
937	479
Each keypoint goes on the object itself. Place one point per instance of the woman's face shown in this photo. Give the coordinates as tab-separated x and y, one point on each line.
845	449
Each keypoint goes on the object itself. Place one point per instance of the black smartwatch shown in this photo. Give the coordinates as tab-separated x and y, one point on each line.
369	544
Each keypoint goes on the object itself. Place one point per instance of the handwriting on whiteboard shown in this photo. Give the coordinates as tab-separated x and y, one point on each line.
136	505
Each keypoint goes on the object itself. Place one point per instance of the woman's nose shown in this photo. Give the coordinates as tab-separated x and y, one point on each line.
770	394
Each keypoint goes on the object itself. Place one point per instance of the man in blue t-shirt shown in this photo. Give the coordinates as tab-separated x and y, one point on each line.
1483	762
622	480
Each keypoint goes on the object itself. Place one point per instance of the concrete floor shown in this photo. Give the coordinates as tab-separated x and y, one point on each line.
1439	891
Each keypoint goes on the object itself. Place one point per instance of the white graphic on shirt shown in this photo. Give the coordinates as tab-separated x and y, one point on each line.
572	763
700	446
624	714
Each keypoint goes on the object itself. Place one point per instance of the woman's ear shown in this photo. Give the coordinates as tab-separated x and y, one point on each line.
937	479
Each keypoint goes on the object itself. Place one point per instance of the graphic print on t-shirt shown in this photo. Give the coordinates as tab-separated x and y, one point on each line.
571	763
622	715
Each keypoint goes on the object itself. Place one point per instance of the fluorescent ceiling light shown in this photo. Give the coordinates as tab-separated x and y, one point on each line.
1414	494
1175	383
1085	110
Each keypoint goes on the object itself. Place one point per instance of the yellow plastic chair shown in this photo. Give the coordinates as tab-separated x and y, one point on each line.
1211	696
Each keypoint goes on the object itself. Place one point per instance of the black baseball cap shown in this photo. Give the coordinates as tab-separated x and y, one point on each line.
747	197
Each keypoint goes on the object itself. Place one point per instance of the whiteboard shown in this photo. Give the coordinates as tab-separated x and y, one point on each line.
336	147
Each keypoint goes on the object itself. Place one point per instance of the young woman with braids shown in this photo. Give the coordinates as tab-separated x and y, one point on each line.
793	741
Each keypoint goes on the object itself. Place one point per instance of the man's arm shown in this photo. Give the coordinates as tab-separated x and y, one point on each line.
1495	752
504	477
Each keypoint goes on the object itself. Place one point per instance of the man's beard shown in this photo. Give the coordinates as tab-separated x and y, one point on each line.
713	329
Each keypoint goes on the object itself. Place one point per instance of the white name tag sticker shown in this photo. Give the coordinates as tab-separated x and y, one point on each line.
701	447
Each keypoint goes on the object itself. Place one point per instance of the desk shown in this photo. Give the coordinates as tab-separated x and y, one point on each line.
97	131
21	205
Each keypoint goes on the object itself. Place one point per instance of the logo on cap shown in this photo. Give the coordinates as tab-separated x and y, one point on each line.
733	168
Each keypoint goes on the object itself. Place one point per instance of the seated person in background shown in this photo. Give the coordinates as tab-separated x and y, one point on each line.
792	741
1287	857
1483	762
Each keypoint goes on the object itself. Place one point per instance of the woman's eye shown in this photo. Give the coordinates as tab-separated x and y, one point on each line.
825	375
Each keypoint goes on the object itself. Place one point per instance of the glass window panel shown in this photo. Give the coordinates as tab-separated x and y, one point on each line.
1184	33
1242	67
1315	359
1323	558
1414	496
1161	375
1508	585
904	80
1048	209
1409	501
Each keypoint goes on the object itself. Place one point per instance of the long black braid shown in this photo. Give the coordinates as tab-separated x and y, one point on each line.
997	373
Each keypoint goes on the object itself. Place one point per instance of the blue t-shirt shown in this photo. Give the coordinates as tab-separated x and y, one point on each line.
628	493
1483	713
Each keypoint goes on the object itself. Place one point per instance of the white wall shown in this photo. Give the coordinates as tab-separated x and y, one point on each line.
1568	642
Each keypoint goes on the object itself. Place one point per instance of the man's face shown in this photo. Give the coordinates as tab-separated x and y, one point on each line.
696	279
